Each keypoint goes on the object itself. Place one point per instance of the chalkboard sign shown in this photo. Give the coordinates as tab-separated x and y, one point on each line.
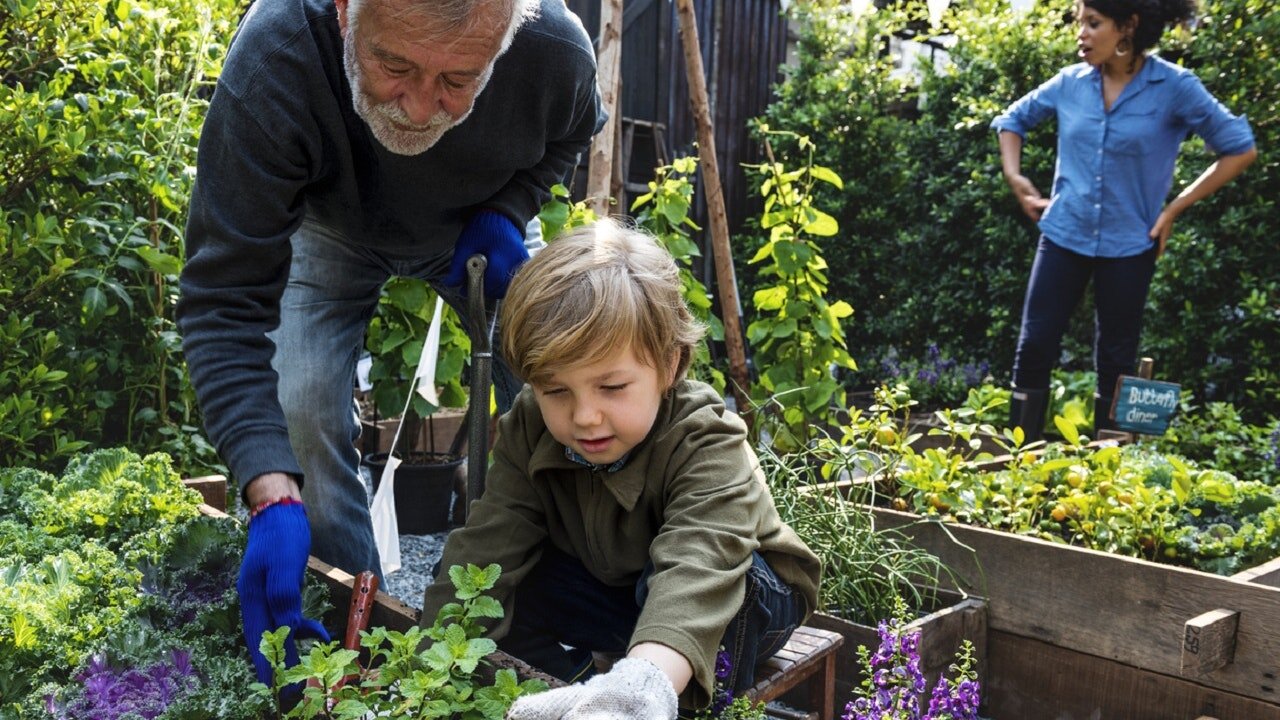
1144	406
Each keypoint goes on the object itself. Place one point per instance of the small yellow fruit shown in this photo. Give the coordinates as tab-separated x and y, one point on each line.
886	434
1059	513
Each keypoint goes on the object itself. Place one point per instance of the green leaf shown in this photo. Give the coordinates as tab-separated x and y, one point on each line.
1068	430
160	262
826	175
770	298
821	224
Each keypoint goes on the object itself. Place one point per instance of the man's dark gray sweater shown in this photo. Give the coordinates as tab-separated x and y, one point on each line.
282	142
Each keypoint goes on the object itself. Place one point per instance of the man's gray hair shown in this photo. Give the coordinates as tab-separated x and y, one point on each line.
452	16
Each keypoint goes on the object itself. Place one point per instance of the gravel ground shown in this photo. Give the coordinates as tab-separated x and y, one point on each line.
418	553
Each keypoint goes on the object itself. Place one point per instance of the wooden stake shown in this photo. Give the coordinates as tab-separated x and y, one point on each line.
609	73
726	283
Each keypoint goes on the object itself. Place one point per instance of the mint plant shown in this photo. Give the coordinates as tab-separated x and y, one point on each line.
406	677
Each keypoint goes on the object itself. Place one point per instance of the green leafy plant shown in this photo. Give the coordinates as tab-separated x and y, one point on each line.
394	341
561	213
100	106
797	334
405	677
664	212
1128	500
1216	435
113	588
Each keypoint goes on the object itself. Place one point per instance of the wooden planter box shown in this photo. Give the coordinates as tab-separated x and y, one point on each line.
376	437
941	632
1076	634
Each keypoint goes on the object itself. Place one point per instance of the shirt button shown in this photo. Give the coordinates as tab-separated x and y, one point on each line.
1097	205
1099	151
1098	178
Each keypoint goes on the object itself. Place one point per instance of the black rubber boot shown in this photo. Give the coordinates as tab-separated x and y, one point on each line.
1026	410
1102	414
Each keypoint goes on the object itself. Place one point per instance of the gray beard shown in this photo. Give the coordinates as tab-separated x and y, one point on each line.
383	118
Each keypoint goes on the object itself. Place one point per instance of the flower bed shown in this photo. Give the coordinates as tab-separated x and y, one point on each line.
956	620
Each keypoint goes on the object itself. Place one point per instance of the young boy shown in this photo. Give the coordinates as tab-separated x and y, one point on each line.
624	504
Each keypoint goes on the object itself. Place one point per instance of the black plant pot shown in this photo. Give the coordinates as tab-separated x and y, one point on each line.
424	489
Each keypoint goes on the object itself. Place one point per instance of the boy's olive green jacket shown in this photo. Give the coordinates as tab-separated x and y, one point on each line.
691	498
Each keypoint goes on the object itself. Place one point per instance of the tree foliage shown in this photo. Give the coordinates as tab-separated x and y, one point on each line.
100	105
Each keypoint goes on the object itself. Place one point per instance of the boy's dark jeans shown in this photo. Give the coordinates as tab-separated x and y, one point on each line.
1058	280
560	603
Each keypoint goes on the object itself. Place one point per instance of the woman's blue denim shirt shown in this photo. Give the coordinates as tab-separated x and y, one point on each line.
1115	167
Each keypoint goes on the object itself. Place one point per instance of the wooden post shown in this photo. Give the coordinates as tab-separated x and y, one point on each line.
609	73
1145	367
714	194
1209	641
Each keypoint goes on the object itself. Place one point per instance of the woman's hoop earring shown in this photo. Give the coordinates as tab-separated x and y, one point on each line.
1124	46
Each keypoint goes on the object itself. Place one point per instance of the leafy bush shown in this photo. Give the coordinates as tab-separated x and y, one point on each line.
934	249
117	597
1216	436
100	105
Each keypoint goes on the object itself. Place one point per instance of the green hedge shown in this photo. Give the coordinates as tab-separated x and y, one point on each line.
934	249
100	105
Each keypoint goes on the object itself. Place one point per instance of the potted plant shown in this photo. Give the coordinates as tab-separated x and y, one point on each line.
433	465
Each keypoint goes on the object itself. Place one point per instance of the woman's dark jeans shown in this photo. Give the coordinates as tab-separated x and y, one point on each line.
560	603
1058	280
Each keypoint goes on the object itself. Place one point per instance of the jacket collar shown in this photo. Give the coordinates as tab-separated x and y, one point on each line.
549	462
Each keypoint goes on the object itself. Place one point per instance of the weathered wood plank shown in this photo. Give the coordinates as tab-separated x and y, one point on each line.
213	488
1124	609
1033	679
1209	642
1267	573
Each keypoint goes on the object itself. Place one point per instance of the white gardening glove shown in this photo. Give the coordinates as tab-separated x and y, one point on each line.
634	689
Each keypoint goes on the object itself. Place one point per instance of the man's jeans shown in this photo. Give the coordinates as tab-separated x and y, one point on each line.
561	603
331	296
1058	280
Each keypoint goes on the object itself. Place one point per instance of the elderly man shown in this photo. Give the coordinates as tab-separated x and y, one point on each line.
349	141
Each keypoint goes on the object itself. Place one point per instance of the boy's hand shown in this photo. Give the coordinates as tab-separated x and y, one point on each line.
634	689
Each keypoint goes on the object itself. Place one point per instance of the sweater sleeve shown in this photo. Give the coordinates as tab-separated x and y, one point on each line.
245	205
716	510
523	196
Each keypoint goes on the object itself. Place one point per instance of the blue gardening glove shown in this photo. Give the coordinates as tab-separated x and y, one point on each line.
635	689
270	582
490	234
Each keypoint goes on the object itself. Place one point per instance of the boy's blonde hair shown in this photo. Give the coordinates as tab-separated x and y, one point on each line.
593	291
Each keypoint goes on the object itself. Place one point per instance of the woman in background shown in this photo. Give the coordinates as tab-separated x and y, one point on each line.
1122	116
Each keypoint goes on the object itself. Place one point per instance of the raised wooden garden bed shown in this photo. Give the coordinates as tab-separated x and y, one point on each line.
1076	634
942	631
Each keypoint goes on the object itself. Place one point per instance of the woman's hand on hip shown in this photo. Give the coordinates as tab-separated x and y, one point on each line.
1032	202
1163	228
